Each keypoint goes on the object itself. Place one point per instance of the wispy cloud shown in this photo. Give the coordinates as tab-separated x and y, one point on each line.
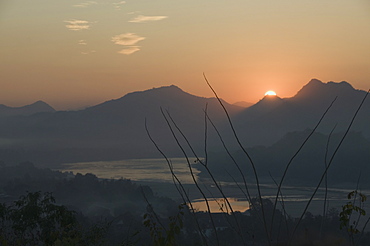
133	12
129	40
85	4
77	25
129	50
118	5
143	18
82	42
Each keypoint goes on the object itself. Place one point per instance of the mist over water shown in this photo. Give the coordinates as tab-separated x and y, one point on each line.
146	170
156	173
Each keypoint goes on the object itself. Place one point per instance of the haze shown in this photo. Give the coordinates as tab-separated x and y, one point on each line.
73	54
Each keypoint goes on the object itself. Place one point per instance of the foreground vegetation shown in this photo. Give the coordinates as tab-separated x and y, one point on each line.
269	217
44	207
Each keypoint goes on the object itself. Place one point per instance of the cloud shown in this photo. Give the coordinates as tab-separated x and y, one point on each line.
85	4
77	25
82	42
127	39
118	5
133	12
129	50
143	19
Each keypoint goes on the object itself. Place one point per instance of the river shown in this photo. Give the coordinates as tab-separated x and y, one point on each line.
156	174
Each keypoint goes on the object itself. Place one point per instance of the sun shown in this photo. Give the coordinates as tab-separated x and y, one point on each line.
270	93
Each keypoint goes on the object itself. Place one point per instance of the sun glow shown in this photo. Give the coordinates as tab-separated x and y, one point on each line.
270	93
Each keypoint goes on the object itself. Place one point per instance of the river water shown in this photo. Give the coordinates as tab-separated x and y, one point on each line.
156	173
146	170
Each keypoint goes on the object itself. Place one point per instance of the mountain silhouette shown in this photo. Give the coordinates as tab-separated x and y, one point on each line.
116	130
36	107
307	166
264	106
267	124
243	104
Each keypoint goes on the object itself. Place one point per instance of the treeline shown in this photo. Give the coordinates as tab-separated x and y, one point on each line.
308	165
85	193
45	207
119	203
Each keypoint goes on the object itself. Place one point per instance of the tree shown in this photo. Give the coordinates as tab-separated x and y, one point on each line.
35	219
352	213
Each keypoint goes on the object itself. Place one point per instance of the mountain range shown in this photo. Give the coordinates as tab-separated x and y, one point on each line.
271	118
37	107
116	129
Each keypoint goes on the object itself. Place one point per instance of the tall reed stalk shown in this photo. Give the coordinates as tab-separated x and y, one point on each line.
177	133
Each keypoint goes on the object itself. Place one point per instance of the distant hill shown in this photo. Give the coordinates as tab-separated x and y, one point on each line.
264	106
243	104
350	161
268	121
116	129
37	107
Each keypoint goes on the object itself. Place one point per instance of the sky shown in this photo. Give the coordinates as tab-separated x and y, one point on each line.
72	54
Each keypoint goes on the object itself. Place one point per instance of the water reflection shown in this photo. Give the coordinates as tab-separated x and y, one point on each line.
156	174
220	205
151	170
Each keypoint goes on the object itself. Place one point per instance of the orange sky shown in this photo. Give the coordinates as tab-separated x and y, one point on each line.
74	53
